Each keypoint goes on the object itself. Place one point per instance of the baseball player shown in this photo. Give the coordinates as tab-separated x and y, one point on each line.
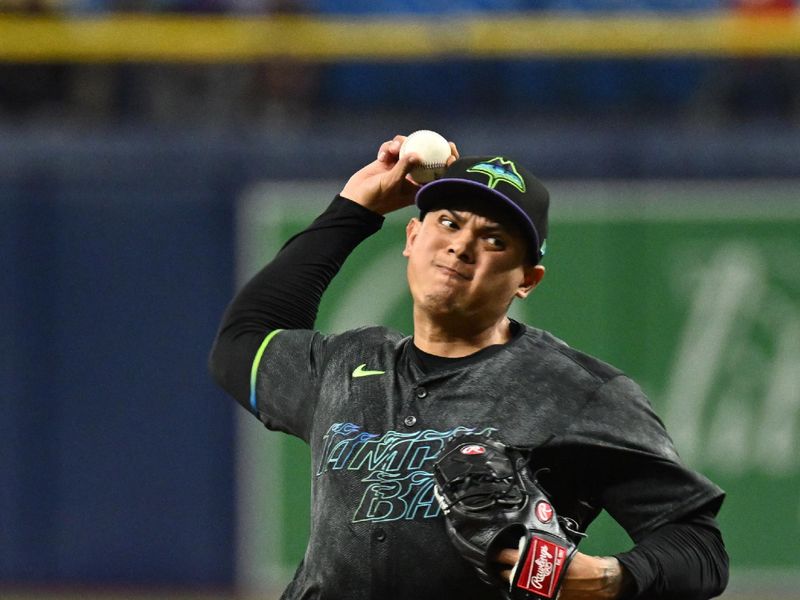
376	407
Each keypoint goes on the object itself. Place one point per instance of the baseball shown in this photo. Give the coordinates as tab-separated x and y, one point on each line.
432	148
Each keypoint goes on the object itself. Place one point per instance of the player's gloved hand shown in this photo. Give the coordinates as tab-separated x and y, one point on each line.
383	185
586	578
491	501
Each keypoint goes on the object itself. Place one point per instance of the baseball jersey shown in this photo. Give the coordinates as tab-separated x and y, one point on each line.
375	421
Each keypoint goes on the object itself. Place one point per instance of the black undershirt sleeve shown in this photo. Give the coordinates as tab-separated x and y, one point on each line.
684	560
287	292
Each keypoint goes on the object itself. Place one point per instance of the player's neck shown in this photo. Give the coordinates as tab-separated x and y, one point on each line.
455	339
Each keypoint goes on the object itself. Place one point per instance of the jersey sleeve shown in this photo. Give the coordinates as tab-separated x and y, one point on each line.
299	376
284	379
639	478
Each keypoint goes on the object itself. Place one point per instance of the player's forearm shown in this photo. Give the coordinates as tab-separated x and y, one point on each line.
287	292
684	560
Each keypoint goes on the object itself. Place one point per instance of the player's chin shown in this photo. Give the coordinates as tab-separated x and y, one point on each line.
442	302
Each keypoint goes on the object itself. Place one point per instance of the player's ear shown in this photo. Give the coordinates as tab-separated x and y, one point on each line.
532	275
411	234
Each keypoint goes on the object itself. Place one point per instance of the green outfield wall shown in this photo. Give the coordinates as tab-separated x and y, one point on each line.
692	289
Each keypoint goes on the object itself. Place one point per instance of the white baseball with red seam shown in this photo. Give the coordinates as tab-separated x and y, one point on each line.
432	149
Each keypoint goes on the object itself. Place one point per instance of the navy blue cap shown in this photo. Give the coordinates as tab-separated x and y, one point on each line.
500	181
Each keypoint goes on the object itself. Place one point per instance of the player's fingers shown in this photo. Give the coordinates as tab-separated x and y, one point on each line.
409	160
394	171
402	170
507	556
506	574
454	154
390	151
406	163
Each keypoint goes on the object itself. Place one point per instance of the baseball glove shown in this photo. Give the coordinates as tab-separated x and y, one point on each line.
491	501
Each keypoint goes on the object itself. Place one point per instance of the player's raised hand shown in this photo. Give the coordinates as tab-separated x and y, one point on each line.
384	184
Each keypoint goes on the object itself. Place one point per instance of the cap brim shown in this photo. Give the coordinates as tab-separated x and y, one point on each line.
432	193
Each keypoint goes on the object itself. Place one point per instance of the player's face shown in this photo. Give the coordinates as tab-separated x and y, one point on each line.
468	265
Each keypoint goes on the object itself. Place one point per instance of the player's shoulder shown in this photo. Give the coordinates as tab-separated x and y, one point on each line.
373	333
342	352
557	350
613	405
367	336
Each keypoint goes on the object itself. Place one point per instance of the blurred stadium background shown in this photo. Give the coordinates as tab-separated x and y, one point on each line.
153	153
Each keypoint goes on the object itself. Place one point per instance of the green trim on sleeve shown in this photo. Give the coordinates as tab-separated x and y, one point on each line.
254	368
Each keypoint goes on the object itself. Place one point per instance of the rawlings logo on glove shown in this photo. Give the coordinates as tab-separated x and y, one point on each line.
542	567
491	502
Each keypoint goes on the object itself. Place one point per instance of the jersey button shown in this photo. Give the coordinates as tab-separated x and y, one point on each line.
421	392
410	421
379	535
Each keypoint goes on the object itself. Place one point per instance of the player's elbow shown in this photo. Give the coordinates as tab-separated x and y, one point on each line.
229	366
723	570
219	364
216	365
711	552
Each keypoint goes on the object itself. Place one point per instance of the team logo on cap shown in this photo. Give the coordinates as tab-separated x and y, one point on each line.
473	449
499	169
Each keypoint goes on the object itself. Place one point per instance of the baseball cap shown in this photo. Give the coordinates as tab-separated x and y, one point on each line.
499	181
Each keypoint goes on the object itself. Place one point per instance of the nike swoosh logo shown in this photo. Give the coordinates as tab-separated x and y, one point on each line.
360	371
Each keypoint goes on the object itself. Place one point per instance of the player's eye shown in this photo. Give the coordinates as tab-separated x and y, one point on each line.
495	242
448	222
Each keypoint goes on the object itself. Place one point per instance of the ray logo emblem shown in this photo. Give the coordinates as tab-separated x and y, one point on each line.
499	169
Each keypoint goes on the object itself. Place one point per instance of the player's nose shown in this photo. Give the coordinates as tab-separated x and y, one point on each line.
462	245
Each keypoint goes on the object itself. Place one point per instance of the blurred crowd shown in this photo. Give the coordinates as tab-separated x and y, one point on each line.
277	92
281	93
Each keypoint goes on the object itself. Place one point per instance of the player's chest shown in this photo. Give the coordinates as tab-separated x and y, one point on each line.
387	402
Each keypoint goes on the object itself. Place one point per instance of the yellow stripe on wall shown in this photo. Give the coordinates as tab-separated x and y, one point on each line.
129	38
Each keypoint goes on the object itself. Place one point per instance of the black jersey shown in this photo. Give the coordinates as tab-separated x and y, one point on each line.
375	422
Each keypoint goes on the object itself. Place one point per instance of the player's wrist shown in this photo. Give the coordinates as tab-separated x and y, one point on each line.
615	578
356	198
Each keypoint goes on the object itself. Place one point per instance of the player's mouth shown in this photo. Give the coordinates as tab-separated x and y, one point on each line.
452	272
